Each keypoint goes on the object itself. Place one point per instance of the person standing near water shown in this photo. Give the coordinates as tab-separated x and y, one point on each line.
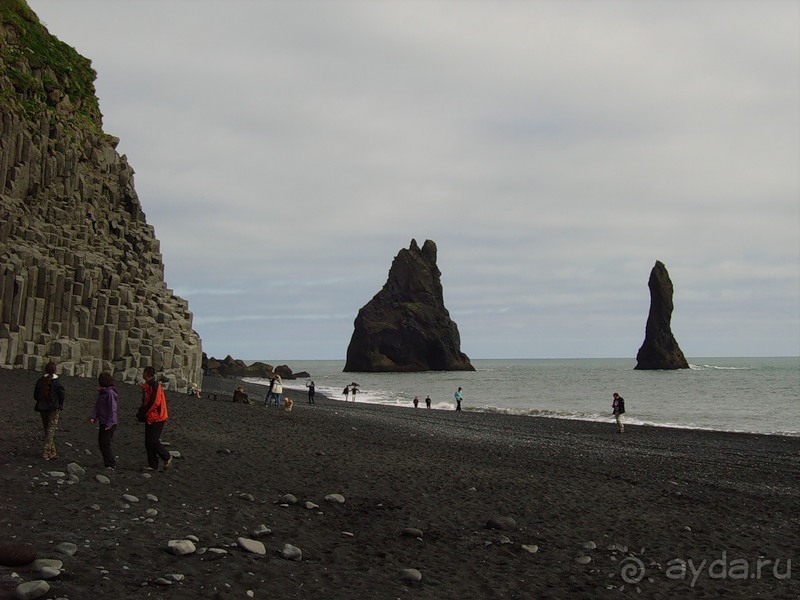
427	401
618	409
311	391
416	401
154	414
459	396
49	395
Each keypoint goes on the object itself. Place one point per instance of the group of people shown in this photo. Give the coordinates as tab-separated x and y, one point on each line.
427	401
50	394
458	396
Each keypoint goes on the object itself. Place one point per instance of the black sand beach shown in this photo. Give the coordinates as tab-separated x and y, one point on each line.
578	510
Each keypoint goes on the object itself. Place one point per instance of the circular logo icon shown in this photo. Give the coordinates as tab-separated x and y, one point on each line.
631	570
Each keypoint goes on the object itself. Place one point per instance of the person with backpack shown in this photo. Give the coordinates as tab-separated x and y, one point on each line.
49	394
153	413
618	409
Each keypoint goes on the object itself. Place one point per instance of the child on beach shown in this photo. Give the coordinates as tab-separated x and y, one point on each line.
105	413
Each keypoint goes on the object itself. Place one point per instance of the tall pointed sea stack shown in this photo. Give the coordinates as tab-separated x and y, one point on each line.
406	327
81	274
660	350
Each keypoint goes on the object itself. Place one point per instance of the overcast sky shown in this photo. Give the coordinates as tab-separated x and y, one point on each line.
286	151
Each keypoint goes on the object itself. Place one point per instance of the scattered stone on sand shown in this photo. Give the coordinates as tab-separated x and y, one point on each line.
152	497
410	575
503	539
215	553
192	538
162	581
175	454
287	499
41	563
531	548
130	498
583	560
32	589
57	474
94	506
253	546
75	469
412	532
151	512
589	546
66	548
348	534
311	506
16	554
181	547
290	552
504	523
261	531
247	497
176	577
49	572
335	498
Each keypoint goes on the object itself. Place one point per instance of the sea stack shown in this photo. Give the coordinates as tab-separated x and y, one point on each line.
406	327
660	350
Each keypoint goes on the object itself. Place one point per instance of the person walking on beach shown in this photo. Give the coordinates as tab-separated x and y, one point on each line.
105	413
311	391
153	412
427	401
618	409
49	394
416	401
276	389
459	396
346	392
268	397
354	389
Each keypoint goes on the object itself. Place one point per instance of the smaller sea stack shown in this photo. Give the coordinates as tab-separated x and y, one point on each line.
660	350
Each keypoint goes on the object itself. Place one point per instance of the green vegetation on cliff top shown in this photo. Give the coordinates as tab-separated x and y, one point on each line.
37	71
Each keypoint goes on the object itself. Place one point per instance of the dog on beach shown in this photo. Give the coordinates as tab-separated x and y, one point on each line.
288	403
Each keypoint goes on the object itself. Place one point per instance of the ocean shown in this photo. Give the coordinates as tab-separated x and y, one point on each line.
759	395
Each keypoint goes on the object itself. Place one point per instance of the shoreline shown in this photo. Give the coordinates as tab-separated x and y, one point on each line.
632	422
505	507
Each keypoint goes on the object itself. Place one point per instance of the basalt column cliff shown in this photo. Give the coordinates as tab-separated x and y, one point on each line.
406	326
84	290
659	349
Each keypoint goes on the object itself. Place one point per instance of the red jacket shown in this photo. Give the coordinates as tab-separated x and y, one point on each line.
157	412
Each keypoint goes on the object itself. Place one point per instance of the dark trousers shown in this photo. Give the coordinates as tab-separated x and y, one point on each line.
104	437
152	443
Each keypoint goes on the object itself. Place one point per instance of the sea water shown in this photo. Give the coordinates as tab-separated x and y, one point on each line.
760	395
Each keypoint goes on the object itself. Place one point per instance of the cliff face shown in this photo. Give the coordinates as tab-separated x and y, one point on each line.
660	350
406	326
92	297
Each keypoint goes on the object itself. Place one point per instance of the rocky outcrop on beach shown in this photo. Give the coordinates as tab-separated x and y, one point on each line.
660	350
82	277
406	327
234	367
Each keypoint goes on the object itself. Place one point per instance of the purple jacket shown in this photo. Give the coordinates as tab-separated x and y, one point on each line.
105	409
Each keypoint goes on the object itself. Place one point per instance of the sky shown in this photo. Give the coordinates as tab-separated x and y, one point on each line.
285	152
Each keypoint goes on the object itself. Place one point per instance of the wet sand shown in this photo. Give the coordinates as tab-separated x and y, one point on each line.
507	506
